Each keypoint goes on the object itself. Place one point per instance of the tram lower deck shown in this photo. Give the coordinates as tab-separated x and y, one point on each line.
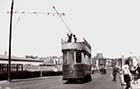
76	71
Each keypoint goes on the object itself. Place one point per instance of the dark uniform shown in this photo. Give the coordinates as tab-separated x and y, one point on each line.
114	73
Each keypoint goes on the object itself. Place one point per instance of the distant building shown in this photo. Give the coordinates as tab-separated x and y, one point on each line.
52	60
99	61
31	63
52	63
19	63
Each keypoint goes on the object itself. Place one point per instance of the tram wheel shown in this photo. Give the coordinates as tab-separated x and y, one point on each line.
87	78
70	80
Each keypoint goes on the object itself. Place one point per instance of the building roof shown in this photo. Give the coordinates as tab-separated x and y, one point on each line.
14	58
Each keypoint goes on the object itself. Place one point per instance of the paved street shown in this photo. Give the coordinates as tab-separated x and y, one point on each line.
98	82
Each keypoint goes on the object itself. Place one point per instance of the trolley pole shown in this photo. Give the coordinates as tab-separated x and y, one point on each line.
10	38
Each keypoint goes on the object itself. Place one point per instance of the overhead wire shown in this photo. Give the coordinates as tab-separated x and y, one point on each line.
31	12
35	12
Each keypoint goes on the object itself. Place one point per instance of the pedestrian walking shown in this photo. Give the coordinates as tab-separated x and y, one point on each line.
137	74
136	77
138	69
132	70
127	74
114	73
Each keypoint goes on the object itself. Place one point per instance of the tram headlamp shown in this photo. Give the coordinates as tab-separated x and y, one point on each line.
71	71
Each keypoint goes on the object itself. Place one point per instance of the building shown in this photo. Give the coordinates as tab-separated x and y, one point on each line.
99	61
52	63
19	63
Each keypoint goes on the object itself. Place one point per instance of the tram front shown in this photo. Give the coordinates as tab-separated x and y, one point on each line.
76	60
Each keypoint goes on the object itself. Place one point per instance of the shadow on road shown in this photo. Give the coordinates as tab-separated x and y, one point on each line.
76	82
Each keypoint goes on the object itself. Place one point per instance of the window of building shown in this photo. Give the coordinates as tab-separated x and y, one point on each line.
13	67
4	67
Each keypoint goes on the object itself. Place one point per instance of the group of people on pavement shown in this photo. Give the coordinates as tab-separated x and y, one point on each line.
129	73
101	70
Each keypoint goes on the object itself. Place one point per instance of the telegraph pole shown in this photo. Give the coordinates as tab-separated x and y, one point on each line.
10	33
10	39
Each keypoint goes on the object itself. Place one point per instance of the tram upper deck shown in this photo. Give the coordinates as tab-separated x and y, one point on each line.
79	45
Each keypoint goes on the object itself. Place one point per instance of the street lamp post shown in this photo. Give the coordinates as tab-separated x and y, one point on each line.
10	39
122	59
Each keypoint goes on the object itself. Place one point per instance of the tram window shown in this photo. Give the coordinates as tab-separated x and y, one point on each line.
78	57
0	68
65	57
70	57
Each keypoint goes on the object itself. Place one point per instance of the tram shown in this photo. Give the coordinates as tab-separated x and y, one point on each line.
76	60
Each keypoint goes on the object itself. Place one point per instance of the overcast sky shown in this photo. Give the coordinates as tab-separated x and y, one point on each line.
110	26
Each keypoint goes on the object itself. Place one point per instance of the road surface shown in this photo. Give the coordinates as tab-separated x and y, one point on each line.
99	81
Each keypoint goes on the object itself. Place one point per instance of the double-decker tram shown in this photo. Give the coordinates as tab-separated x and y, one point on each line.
76	60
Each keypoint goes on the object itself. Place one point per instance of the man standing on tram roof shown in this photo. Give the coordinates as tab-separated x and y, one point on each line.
75	39
69	37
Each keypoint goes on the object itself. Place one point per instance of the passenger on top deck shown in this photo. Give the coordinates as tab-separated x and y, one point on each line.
69	37
75	39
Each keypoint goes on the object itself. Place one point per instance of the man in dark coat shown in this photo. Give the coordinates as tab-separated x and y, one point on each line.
114	73
69	37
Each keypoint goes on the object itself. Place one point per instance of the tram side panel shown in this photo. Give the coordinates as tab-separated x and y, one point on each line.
76	71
